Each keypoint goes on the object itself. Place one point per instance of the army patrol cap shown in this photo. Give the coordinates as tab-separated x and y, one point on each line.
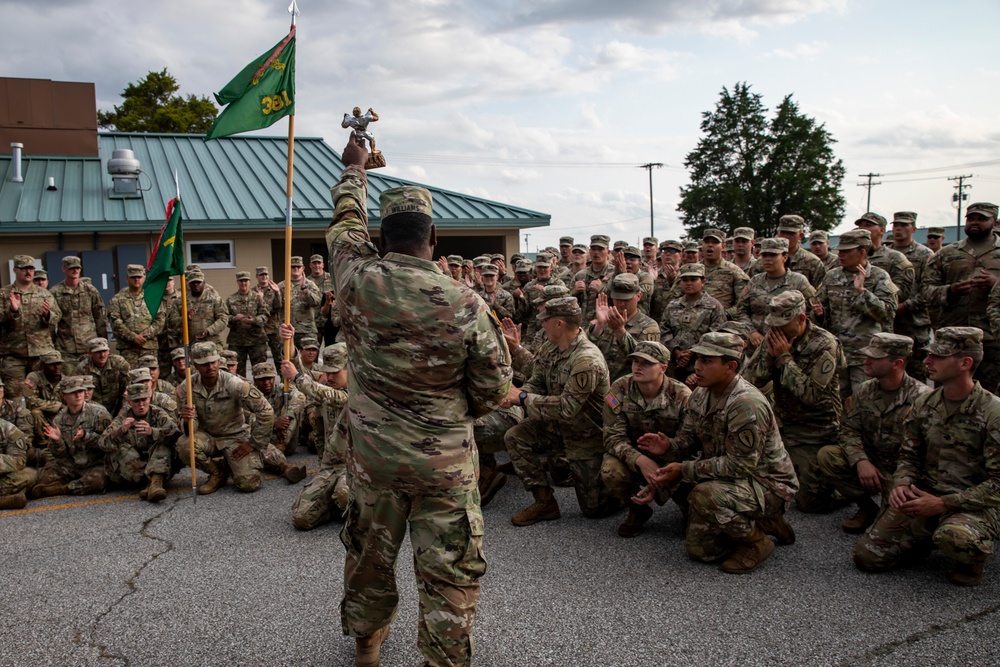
71	385
264	369
884	345
405	199
650	240
515	258
818	235
24	262
41	273
564	306
624	286
297	261
579	247
744	233
652	351
137	392
784	308
51	357
72	262
620	245
316	258
192	267
672	245
565	240
983	208
88	381
791	223
481	261
691	246
134	270
719	344
497	256
229	355
955	340
600	240
262	271
695	270
490	270
872	217
148	361
310	343
543	260
774	246
198	276
905	217
935	232
242	275
523	266
177	353
454	260
856	238
97	345
204	353
334	358
632	251
741	329
554	292
139	375
714	233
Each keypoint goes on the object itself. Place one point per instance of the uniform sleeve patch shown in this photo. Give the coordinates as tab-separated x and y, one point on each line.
29	382
612	400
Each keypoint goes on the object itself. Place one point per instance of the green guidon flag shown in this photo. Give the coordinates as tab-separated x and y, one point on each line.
261	94
167	259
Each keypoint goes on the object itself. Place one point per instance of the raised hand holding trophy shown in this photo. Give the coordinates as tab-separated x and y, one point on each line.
359	132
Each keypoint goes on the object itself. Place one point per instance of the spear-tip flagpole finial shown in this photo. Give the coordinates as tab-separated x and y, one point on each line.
293	9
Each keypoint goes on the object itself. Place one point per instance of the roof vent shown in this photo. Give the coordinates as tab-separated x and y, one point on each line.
15	150
124	170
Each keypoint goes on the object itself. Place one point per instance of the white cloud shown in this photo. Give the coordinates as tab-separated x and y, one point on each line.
800	51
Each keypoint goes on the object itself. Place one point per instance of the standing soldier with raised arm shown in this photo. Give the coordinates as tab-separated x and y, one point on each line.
84	316
425	358
28	315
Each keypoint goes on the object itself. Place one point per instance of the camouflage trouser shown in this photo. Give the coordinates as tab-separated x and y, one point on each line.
256	353
81	481
489	431
277	348
13	369
815	494
446	533
833	464
71	360
164	361
323	499
623	483
851	377
274	458
131	353
585	455
966	537
246	471
17	481
722	512
129	465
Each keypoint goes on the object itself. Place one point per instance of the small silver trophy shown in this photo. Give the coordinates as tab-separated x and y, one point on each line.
359	132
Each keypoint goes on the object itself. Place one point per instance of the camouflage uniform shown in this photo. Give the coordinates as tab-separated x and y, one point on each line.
725	282
168	340
914	321
110	380
25	334
732	452
425	359
15	475
499	300
129	318
41	397
684	321
207	314
563	411
664	291
293	406
274	304
306	302
751	268
854	318
637	328
79	463
752	306
324	283
804	262
806	397
83	317
588	298
527	307
247	338
132	457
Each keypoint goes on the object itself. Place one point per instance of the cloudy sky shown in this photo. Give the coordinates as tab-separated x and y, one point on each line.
552	104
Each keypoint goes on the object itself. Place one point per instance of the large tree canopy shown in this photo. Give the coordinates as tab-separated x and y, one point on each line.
152	105
748	171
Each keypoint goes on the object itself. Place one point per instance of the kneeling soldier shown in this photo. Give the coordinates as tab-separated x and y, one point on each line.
288	415
15	476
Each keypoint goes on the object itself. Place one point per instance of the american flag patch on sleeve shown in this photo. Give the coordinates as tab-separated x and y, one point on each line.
612	400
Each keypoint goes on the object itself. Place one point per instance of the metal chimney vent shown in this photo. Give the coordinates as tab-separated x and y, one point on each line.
124	170
15	150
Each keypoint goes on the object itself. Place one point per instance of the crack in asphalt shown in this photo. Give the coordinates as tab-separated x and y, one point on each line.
90	640
909	640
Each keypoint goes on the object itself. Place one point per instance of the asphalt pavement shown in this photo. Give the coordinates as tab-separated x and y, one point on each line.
113	580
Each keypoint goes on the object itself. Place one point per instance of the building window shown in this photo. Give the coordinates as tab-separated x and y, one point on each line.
211	254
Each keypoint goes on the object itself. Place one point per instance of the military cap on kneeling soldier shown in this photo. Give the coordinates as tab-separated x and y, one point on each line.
288	416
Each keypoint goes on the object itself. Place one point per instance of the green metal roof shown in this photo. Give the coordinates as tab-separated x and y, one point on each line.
225	183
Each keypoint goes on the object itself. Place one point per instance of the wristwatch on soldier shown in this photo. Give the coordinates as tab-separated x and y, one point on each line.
521	397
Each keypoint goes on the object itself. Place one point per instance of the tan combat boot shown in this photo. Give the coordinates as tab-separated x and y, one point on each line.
545	508
777	527
368	648
294	474
637	516
155	491
13	501
967	574
754	549
218	474
47	490
490	481
864	517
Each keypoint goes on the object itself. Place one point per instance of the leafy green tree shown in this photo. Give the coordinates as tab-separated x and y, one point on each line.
152	105
748	171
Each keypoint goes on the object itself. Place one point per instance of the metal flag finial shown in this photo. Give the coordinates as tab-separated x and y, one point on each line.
293	9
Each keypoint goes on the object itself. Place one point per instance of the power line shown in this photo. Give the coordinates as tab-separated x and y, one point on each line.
958	198
497	161
649	167
868	186
948	168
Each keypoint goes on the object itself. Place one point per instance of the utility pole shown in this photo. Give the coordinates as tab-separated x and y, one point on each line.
868	186
649	167
526	242
958	198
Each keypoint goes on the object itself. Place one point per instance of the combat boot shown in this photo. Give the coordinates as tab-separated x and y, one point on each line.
864	517
155	491
967	574
545	508
753	550
294	474
368	648
218	474
14	501
47	490
634	520
778	528
490	481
